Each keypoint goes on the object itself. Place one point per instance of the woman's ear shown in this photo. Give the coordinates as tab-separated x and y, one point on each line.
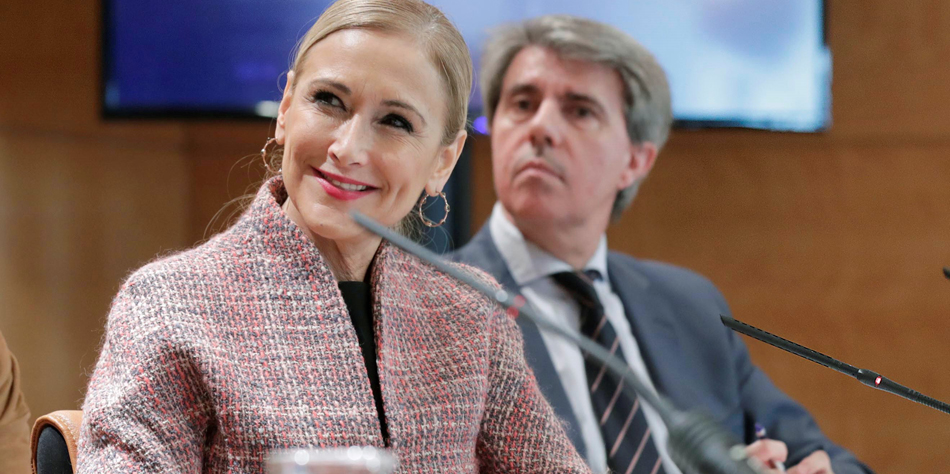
282	109
445	163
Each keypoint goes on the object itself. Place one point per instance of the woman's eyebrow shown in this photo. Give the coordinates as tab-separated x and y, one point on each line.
333	84
403	105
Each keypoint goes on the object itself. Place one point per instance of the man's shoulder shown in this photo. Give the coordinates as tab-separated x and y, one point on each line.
661	277
477	250
655	270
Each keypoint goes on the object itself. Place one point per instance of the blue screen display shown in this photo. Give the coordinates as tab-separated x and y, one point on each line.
746	63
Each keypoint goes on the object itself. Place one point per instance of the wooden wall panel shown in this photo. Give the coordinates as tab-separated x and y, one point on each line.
226	165
75	217
891	68
82	202
49	52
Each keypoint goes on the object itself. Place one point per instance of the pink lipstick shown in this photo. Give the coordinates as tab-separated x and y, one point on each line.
342	188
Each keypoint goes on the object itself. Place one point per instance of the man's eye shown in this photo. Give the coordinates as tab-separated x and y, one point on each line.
583	112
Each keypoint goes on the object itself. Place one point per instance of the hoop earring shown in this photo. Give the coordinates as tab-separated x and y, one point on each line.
268	146
426	220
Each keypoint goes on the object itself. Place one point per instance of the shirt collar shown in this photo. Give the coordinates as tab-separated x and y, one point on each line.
528	262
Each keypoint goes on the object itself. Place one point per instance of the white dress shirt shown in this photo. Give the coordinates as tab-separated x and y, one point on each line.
531	267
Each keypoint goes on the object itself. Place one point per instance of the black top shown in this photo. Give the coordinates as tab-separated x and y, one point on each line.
358	300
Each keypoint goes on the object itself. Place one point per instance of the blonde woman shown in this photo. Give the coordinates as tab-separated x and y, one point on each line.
296	328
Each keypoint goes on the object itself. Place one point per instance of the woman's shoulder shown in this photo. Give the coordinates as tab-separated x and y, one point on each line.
174	272
173	292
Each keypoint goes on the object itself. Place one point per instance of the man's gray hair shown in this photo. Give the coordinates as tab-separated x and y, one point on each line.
647	106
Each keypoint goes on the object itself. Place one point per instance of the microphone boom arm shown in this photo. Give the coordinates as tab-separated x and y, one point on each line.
867	377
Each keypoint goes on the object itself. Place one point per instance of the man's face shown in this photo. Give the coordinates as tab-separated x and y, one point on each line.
560	149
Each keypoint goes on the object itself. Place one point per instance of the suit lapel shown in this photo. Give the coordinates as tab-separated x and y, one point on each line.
651	322
481	252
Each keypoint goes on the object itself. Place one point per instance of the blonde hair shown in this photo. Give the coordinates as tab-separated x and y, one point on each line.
647	106
426	24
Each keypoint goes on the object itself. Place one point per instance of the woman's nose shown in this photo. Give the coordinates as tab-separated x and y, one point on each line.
352	142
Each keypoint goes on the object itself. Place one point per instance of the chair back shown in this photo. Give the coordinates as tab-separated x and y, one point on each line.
54	441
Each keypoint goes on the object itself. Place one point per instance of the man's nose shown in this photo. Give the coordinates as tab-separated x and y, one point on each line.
546	125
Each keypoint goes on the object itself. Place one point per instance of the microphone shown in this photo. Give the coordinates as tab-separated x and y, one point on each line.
696	443
865	376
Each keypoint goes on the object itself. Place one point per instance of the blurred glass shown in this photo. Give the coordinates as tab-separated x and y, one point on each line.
352	460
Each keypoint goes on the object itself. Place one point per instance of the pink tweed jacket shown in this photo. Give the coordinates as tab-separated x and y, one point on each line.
215	356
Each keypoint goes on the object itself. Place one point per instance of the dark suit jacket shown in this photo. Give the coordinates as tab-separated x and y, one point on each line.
692	358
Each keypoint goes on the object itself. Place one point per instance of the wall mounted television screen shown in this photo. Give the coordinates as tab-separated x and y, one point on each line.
731	63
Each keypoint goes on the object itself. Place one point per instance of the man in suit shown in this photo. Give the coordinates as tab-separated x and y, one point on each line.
578	112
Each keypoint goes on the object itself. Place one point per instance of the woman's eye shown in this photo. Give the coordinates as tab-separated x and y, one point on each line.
394	120
328	98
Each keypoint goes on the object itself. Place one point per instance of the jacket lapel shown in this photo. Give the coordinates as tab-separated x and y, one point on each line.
651	320
481	252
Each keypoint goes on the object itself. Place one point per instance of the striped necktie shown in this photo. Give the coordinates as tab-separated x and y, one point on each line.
630	447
